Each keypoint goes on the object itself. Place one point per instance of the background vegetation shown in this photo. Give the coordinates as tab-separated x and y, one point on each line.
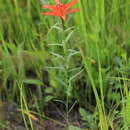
91	76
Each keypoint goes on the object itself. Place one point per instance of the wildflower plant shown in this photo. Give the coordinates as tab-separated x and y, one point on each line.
62	11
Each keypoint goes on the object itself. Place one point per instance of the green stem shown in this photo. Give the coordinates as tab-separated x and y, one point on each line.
67	108
63	26
67	97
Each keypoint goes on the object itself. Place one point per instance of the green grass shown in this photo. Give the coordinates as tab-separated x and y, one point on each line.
87	64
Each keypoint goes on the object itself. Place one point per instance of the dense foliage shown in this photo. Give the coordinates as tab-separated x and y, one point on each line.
86	66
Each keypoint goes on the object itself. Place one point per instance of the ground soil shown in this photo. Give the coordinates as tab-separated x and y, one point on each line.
55	119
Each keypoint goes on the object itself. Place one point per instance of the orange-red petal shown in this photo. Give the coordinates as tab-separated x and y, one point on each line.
49	7
72	10
49	13
63	17
70	4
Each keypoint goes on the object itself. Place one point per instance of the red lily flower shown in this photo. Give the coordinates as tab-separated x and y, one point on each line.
60	10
